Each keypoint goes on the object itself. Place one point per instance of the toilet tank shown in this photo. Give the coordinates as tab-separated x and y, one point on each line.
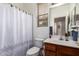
38	42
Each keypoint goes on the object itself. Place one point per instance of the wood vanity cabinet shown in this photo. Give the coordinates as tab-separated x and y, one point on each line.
58	50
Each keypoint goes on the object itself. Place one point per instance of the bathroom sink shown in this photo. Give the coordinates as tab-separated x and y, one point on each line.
56	40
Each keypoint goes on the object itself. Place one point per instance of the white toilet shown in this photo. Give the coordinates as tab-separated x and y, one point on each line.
34	51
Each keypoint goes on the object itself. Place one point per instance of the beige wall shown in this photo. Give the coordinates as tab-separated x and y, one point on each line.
43	8
25	6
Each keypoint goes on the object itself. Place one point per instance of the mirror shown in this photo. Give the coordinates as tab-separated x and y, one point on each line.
71	13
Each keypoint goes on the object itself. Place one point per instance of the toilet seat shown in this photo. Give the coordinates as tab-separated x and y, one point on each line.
33	51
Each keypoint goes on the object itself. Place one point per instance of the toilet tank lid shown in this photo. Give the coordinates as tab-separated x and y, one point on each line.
39	39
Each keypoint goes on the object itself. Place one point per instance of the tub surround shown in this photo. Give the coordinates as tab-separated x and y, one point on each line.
57	47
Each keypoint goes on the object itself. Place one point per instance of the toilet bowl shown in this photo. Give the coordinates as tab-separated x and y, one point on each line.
34	51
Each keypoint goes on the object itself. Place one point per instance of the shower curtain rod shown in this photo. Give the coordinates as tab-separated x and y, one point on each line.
20	9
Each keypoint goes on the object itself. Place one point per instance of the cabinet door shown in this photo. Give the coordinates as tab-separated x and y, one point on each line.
59	51
50	47
50	53
67	51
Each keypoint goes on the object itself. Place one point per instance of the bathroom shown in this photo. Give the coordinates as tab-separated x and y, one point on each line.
39	29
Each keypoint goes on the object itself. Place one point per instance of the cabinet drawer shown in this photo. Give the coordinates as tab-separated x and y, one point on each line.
49	46
69	51
50	53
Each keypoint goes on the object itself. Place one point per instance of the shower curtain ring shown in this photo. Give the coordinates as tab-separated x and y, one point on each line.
11	5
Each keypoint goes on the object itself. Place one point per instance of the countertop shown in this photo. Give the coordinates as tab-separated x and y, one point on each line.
56	40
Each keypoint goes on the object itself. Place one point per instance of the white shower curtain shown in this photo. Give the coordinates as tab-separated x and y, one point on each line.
15	31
